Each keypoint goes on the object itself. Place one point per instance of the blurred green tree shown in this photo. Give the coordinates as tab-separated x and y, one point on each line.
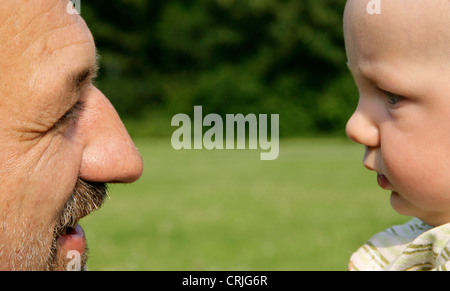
160	58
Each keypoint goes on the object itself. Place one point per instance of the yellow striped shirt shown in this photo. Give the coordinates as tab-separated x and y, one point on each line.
413	246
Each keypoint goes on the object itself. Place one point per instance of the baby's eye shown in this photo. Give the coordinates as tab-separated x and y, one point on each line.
392	98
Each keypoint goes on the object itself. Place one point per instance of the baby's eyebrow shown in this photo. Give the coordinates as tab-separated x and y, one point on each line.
347	63
363	70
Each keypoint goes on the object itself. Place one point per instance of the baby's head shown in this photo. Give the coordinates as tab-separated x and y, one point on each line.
400	60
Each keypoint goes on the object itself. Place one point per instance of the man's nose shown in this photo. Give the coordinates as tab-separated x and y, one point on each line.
109	154
362	127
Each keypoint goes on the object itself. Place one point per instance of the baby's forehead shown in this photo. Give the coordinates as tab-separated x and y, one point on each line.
407	28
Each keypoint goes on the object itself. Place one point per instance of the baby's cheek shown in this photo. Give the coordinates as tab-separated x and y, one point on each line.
421	178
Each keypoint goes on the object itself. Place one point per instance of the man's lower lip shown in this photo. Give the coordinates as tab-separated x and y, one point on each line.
74	240
383	182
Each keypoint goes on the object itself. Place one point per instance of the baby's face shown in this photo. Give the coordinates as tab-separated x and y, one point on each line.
400	60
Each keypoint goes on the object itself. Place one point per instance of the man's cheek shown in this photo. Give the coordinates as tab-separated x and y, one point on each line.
56	169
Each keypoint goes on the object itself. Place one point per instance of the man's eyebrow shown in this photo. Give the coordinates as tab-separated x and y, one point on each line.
78	78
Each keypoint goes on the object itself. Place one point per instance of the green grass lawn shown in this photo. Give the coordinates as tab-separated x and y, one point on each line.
228	210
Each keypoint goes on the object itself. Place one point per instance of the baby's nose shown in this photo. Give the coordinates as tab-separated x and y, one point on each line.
361	129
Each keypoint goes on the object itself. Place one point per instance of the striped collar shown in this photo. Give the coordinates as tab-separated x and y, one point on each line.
412	246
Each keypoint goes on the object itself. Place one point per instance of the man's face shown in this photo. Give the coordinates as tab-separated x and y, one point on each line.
400	60
60	137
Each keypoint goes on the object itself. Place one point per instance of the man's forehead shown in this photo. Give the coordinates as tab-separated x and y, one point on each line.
17	16
22	23
44	49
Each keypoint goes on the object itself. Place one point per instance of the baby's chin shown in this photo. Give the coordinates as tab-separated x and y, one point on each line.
406	208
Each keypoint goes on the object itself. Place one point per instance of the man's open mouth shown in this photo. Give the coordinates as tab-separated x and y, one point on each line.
73	240
68	236
68	230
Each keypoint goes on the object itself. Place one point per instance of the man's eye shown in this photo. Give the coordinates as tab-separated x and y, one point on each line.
72	115
392	98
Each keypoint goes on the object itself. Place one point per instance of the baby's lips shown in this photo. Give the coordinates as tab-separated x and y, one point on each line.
383	182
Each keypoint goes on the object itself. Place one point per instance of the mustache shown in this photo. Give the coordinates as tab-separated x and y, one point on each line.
85	198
